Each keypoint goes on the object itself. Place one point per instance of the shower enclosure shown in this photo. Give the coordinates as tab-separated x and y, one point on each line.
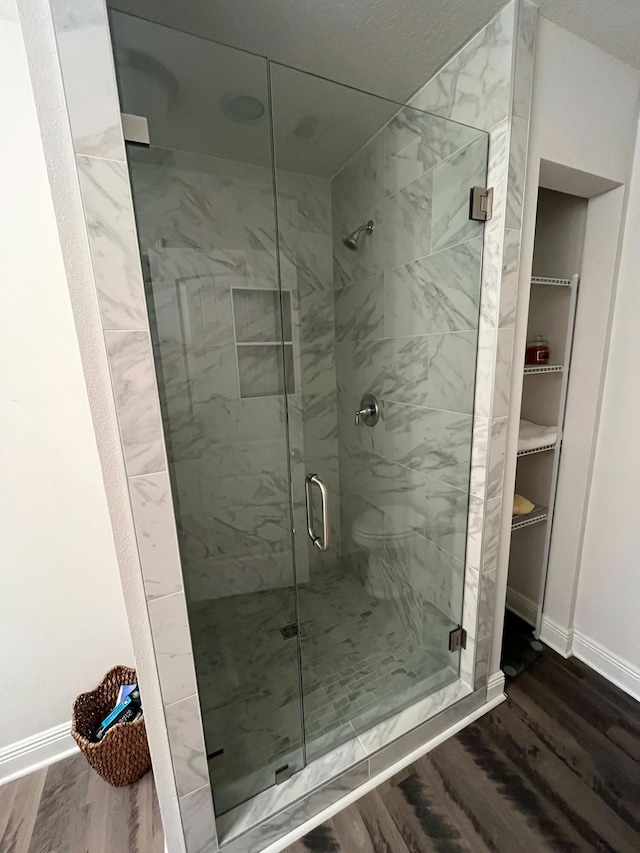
316	384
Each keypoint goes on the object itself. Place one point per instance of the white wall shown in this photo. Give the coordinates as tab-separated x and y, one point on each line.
609	584
584	117
584	105
560	226
62	616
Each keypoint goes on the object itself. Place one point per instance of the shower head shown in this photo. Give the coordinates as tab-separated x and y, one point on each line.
353	239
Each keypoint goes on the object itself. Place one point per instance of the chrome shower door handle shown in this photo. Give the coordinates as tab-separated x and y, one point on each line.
322	543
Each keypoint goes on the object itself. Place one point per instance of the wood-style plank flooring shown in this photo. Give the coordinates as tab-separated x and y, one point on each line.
556	768
67	808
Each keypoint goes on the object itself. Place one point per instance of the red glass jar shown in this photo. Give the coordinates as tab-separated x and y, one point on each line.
537	351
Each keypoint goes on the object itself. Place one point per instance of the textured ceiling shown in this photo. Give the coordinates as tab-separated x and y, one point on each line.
613	25
387	47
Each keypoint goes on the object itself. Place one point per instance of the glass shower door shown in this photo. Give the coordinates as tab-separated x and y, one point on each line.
383	266
205	214
313	287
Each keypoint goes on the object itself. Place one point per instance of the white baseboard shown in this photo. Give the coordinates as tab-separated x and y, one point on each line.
495	685
35	752
614	668
556	636
522	606
568	642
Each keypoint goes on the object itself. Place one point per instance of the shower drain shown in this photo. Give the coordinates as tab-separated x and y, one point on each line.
289	631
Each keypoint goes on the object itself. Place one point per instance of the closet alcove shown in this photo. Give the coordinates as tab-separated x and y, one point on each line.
558	248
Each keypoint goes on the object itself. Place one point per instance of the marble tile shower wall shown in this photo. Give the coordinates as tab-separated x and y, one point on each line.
406	308
306	267
488	84
207	235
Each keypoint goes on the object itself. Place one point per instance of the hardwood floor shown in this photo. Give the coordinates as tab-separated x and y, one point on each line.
556	768
67	808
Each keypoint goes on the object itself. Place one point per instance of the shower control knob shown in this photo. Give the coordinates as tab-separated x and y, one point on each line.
369	411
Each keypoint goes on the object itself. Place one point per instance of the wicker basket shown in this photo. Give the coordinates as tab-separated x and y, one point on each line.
122	756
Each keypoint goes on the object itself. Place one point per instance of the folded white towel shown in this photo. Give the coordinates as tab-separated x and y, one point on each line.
532	436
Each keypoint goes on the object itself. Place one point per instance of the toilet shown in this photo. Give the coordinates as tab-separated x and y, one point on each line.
377	540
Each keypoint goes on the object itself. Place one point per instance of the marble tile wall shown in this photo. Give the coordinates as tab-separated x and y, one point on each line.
407	317
216	327
306	267
488	83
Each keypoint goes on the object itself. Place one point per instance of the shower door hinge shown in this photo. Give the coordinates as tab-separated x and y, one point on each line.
457	639
481	206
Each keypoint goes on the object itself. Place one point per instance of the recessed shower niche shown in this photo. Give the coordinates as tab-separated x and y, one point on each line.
262	324
268	330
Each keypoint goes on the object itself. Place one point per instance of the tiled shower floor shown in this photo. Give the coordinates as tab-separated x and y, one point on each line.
356	656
